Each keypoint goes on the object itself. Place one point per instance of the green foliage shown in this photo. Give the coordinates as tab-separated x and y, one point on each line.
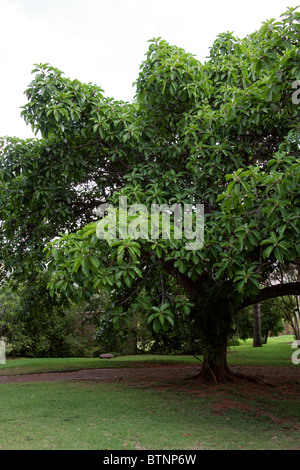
224	133
182	338
271	321
35	324
112	332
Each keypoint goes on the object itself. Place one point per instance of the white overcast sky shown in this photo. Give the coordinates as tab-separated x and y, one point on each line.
104	41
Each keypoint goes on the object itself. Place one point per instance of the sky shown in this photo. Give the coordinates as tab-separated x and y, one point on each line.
105	41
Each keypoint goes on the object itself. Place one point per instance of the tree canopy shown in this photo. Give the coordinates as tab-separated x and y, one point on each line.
223	134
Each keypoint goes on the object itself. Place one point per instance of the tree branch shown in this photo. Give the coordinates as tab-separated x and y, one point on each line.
188	284
277	290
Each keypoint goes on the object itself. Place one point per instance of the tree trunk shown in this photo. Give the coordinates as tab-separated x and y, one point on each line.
213	321
214	368
211	317
212	324
257	341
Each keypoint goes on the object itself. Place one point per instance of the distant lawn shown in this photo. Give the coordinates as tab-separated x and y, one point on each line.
277	352
35	365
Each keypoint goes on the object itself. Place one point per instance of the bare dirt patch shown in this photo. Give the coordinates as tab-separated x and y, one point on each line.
175	373
223	405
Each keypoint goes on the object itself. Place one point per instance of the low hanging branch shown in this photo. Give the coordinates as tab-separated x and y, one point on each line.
277	290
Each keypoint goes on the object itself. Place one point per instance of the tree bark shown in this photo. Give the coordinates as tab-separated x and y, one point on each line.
257	341
214	368
212	316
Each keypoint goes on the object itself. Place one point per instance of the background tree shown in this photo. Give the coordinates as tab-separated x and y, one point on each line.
290	308
257	340
224	133
34	324
271	321
289	305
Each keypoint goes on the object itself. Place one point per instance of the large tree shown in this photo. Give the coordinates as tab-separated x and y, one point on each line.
224	134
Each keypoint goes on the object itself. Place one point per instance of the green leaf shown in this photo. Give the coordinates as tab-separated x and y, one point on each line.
267	252
95	261
156	325
77	264
120	254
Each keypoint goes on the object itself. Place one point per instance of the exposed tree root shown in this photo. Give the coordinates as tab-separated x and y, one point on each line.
218	374
207	376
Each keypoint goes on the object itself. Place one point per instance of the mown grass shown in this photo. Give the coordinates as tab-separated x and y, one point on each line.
114	416
72	415
277	352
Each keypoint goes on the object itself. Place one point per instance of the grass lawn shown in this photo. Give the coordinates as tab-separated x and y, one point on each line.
130	415
79	416
277	352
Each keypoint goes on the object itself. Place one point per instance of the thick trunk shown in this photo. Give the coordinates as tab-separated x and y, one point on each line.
215	367
212	323
257	341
